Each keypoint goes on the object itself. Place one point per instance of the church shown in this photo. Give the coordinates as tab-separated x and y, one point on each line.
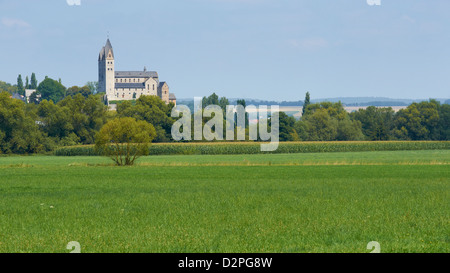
128	85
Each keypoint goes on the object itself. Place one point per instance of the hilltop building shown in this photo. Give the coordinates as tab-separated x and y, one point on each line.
128	85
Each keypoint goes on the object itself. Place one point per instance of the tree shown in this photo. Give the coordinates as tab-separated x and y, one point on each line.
20	88
27	83
223	103
241	102
51	90
85	91
328	121
124	140
34	98
86	115
349	130
444	122
287	132
418	122
19	133
320	126
33	83
153	110
377	123
306	103
8	87
93	87
55	120
211	100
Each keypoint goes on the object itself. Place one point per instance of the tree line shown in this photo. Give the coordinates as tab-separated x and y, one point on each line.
326	121
74	116
48	89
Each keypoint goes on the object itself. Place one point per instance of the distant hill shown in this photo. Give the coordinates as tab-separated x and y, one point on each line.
374	101
347	101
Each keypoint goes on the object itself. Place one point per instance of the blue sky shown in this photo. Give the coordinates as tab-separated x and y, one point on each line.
264	49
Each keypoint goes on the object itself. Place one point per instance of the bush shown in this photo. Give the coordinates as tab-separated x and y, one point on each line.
124	140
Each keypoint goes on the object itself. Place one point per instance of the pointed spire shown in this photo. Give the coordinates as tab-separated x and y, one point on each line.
108	48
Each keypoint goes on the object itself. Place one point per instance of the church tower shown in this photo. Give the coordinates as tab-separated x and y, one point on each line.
106	75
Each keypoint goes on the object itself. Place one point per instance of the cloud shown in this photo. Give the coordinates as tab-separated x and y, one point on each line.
10	22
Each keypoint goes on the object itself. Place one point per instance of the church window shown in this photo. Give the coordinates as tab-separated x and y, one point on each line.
153	87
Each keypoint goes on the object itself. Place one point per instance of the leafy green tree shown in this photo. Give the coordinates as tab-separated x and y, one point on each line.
34	98
320	126
8	88
33	83
241	102
223	103
287	131
27	83
377	123
55	122
50	89
335	110
418	122
125	139
93	87
85	91
211	100
86	115
306	103
327	121
20	88
349	130
444	122
153	110
19	133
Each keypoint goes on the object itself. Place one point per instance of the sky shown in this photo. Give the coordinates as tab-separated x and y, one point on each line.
261	49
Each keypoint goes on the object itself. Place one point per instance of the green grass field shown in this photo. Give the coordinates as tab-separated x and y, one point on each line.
327	202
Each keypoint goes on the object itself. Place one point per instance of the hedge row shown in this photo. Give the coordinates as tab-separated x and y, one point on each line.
255	148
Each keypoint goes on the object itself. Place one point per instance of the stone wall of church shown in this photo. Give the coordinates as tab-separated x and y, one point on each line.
151	85
163	93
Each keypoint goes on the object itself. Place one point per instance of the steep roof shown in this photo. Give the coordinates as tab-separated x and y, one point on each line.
136	74
105	50
161	84
172	96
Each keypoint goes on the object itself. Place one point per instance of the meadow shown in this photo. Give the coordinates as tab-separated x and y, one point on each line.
264	203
